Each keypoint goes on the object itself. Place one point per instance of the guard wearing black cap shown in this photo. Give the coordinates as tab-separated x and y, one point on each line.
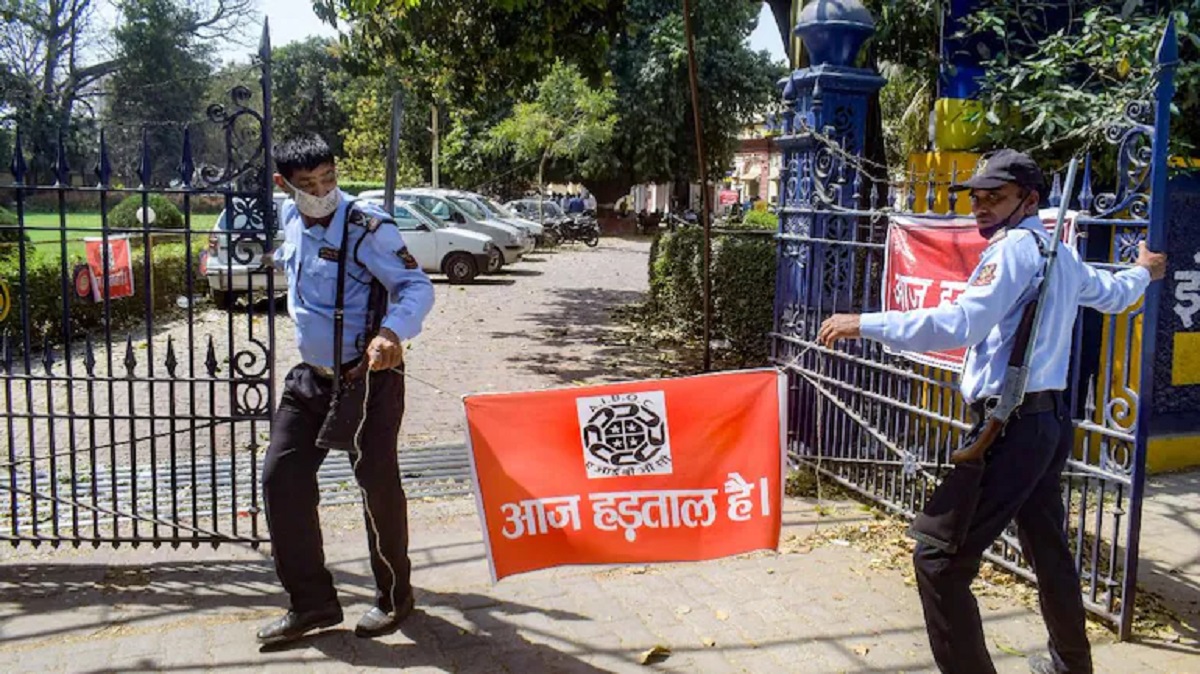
1014	474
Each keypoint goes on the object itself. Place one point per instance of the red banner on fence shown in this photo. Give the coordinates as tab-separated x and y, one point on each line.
928	263
651	471
120	267
728	197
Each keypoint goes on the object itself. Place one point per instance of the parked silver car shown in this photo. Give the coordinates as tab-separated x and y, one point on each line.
494	211
538	231
475	206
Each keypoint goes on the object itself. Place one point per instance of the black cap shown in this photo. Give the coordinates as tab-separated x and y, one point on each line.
997	168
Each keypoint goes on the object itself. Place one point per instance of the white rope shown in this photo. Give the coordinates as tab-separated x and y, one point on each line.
366	501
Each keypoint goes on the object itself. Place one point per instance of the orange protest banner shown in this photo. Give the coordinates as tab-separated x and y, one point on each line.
116	255
651	471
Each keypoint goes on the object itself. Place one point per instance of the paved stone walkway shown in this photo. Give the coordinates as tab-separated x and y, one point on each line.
820	604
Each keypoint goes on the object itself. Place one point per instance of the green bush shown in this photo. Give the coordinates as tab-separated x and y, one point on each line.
8	236
760	220
125	214
743	289
676	282
743	294
44	292
357	187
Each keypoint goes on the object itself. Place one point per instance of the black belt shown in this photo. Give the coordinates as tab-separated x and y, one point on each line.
1038	401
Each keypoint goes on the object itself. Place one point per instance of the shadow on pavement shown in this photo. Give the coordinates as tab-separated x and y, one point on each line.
582	317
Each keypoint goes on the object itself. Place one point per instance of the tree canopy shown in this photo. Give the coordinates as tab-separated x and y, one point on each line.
567	119
478	58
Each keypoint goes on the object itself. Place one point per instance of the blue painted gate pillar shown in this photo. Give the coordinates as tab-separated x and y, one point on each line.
825	192
823	181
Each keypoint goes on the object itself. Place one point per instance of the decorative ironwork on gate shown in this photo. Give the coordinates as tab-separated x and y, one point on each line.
883	425
133	409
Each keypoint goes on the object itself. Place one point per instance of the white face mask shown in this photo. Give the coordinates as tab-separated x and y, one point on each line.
313	206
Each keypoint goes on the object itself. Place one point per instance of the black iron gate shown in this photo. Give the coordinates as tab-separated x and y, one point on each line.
138	375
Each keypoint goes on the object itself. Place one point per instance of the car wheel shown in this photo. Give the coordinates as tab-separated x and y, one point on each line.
460	268
222	299
550	239
495	261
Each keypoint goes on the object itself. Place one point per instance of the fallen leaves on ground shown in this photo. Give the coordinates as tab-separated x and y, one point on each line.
891	549
657	653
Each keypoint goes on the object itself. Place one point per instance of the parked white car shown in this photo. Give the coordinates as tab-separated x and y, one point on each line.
460	254
511	241
232	262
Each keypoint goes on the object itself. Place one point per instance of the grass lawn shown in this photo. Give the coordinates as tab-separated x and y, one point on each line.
46	233
46	226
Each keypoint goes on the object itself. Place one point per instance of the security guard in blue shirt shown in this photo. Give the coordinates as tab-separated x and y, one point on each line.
351	400
1020	478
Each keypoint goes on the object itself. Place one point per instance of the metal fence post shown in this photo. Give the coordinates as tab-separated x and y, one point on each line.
1167	61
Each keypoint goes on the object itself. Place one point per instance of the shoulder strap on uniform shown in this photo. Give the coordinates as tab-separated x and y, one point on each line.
377	300
339	306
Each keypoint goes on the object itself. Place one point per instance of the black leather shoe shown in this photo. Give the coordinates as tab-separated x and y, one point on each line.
377	623
295	625
1041	664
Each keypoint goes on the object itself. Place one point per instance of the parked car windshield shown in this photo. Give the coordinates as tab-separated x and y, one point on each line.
470	207
497	208
421	212
407	219
435	206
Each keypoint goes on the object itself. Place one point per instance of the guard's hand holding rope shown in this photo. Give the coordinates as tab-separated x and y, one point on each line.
386	351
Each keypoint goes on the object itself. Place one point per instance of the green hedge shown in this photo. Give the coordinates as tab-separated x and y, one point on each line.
125	214
676	282
743	289
743	278
9	236
357	187
44	276
760	220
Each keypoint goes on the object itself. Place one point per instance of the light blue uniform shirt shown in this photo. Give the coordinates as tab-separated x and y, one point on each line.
986	315
309	257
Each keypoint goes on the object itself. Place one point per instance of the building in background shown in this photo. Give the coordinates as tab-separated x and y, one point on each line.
756	165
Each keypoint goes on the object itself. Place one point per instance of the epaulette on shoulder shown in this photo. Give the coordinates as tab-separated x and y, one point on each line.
998	237
368	221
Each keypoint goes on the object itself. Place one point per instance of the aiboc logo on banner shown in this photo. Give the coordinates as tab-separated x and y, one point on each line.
654	471
625	434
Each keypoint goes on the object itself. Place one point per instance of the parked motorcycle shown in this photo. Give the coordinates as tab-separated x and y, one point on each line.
582	228
553	232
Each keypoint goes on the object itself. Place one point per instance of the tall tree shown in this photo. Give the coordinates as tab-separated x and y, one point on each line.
464	51
566	120
307	78
476	56
367	135
159	88
655	139
54	57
